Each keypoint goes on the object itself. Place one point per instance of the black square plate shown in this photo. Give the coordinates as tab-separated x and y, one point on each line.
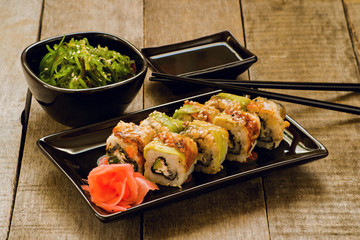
215	56
76	152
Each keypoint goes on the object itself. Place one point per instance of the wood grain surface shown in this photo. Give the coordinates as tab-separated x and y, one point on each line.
351	11
19	25
307	41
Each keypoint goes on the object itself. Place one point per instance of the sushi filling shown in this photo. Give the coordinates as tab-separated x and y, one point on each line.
160	167
234	147
204	158
117	155
265	133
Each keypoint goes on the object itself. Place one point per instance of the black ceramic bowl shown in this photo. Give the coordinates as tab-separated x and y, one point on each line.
77	107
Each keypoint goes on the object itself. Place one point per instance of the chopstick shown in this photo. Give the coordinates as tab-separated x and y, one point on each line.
354	87
244	90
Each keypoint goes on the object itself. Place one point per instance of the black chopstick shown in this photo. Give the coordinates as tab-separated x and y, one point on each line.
282	97
354	87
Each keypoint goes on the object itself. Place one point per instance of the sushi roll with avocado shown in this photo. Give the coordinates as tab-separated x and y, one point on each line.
126	144
222	101
170	159
212	143
272	117
193	110
161	122
243	128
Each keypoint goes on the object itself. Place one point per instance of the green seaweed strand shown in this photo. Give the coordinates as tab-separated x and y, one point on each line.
78	65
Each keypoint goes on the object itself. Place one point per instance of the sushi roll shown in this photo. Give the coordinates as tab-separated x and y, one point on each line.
193	110
222	101
126	144
243	128
170	159
212	143
272	117
161	122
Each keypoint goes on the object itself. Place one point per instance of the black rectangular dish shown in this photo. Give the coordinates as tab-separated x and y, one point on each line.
77	151
213	56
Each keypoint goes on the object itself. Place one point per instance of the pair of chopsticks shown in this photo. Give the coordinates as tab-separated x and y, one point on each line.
354	87
230	87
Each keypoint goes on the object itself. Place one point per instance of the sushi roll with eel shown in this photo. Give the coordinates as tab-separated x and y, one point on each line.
243	128
272	117
170	159
193	110
126	144
212	143
223	101
161	122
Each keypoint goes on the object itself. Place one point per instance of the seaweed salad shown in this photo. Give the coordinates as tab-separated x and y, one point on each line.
78	65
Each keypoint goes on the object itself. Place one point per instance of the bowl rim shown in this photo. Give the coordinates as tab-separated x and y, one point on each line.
94	89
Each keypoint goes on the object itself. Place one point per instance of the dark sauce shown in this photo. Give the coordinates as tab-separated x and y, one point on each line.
195	59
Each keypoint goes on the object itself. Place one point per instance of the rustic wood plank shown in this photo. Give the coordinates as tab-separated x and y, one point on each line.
235	212
309	41
19	27
352	8
47	205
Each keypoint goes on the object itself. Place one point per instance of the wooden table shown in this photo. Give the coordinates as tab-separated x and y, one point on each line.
305	41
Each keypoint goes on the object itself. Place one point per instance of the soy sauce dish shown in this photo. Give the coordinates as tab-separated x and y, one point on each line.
78	107
219	55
